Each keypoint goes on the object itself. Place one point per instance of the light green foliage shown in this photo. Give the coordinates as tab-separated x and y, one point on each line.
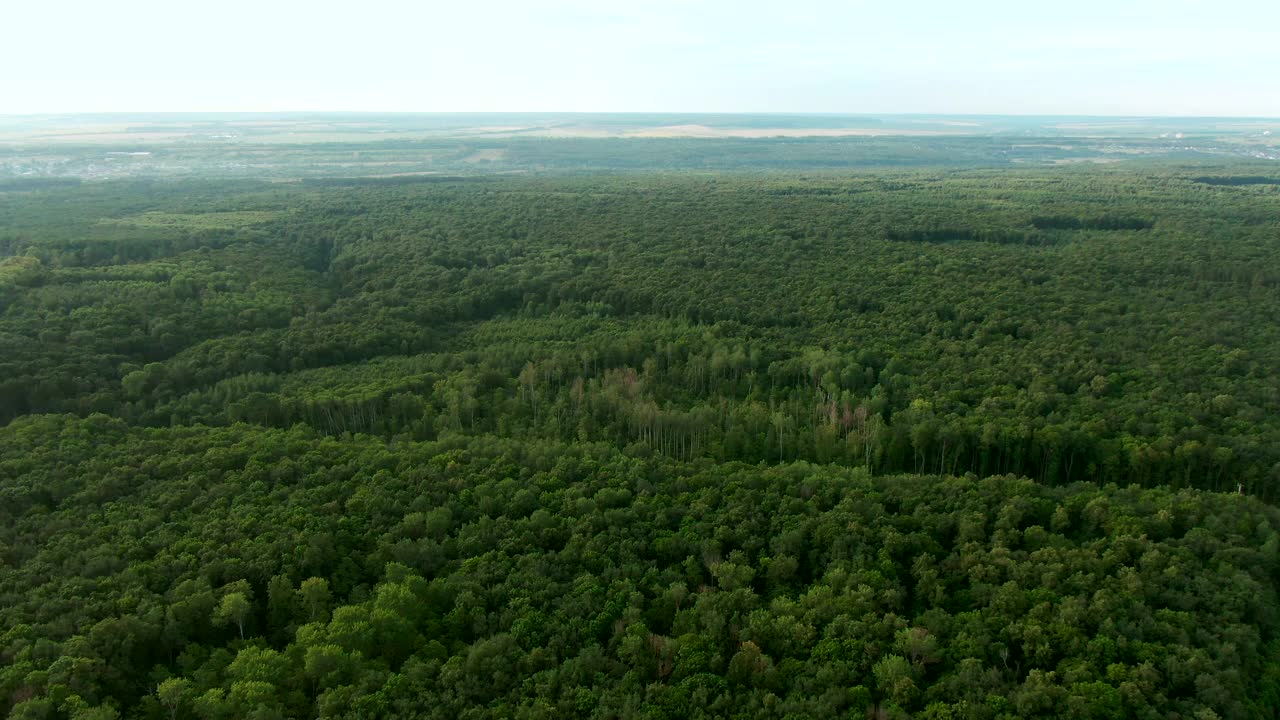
234	609
315	599
173	695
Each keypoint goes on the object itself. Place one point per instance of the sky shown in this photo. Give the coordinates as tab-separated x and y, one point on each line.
1083	57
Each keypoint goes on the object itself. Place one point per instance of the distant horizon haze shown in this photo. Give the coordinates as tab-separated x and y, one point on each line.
1141	58
339	112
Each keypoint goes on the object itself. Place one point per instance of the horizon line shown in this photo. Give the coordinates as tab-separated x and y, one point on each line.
783	113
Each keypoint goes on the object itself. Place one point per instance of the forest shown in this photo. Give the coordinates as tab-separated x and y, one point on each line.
899	441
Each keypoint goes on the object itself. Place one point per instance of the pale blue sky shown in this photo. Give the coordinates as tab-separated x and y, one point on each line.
1127	57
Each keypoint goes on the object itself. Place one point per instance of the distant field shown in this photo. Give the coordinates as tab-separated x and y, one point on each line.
291	146
694	131
292	129
302	132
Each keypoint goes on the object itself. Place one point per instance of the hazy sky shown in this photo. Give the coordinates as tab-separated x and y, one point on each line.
1025	56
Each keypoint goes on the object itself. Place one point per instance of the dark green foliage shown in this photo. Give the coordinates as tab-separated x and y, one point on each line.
947	444
22	184
753	317
1101	222
1237	180
434	579
999	237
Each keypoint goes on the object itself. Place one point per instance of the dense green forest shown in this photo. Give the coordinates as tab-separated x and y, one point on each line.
903	442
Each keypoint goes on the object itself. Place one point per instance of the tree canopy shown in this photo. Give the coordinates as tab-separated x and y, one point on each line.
934	443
